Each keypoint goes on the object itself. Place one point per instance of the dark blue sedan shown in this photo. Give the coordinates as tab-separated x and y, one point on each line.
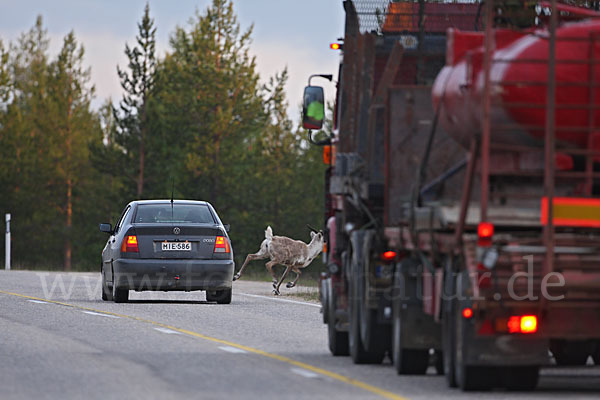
165	245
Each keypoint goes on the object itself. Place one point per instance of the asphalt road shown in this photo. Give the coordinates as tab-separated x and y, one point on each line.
58	340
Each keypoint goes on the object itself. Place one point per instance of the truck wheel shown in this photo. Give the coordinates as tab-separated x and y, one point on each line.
468	378
368	341
596	354
570	353
521	378
324	298
357	351
406	361
448	325
439	362
338	340
359	354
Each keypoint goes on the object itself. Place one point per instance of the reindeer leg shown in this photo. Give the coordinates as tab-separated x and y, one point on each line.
249	257
290	285
287	270
270	266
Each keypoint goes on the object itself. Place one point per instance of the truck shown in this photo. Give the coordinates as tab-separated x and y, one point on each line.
462	204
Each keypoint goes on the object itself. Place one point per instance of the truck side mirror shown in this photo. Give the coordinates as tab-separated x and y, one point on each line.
313	107
106	228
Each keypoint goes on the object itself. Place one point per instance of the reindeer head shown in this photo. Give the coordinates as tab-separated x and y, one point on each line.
316	237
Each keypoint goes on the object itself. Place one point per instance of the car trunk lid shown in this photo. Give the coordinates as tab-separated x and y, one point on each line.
177	241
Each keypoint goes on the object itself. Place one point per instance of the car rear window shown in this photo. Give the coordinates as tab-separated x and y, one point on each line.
179	213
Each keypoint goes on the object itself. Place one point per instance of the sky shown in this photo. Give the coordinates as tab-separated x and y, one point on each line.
292	33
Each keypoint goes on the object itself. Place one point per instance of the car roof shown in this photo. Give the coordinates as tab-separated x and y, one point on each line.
161	201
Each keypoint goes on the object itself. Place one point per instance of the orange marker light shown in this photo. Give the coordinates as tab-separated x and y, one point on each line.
335	46
327	155
467	313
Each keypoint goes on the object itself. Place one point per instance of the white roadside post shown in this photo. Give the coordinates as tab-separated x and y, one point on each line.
7	243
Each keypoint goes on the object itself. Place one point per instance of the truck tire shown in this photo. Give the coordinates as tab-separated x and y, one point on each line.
324	298
338	340
366	337
521	378
570	353
448	324
468	377
596	354
357	351
406	361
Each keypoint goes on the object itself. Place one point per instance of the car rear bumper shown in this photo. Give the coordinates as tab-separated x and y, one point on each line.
172	274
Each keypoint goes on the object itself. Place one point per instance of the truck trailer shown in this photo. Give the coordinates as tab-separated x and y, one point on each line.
463	189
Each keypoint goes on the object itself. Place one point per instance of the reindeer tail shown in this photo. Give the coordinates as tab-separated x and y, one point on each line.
269	233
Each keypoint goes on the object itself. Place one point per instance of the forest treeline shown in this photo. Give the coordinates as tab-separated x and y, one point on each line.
198	121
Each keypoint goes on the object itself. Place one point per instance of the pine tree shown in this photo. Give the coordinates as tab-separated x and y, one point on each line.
212	80
72	123
137	82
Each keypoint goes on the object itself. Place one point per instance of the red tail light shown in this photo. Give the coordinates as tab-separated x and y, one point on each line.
485	231
221	245
522	324
388	256
467	313
130	244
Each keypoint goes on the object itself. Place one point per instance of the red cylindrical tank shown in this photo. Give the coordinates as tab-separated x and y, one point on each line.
520	75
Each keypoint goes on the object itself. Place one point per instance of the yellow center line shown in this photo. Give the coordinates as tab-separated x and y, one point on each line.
333	375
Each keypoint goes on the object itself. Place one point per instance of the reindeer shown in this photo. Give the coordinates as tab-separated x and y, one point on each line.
292	254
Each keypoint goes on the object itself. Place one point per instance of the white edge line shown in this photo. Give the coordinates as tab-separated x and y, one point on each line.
100	314
38	302
283	300
167	331
230	349
304	373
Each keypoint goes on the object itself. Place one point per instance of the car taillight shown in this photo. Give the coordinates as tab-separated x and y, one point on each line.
130	244
221	245
485	231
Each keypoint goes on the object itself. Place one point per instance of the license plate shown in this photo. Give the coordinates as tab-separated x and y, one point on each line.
176	246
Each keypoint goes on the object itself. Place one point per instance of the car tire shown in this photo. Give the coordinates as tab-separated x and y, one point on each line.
120	295
106	288
220	296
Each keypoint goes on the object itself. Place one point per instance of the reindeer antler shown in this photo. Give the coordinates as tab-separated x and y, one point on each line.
312	229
